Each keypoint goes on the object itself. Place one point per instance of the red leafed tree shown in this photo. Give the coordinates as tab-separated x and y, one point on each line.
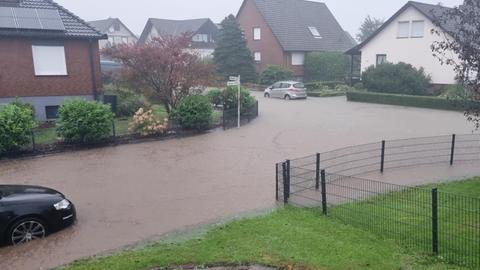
164	70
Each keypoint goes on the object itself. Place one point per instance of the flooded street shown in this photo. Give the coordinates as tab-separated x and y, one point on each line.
132	193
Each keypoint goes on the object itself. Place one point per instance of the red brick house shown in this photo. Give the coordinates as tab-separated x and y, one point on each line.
47	55
281	32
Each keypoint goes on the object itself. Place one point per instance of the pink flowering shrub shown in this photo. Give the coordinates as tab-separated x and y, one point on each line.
145	123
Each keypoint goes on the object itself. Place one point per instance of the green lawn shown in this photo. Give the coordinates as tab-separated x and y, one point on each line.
406	216
300	238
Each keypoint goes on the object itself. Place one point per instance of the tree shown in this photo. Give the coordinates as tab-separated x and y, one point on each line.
326	66
459	46
274	73
232	57
368	27
165	69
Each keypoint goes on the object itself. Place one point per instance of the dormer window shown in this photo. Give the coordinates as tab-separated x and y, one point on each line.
314	32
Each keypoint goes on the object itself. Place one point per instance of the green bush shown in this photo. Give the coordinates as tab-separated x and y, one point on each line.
25	105
128	102
455	92
230	97
82	121
16	125
193	112
406	100
398	78
215	96
326	66
274	73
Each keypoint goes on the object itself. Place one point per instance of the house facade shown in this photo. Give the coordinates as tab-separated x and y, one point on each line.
203	32
116	31
407	37
51	57
282	32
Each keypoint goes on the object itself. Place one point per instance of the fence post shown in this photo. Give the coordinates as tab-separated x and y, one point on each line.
34	147
286	182
223	117
382	162
435	220
317	172
276	182
324	193
452	152
114	129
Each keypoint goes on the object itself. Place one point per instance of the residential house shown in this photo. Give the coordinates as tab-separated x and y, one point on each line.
116	31
47	55
203	31
407	37
281	32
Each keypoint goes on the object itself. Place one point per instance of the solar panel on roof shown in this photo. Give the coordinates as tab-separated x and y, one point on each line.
27	18
30	18
50	19
7	19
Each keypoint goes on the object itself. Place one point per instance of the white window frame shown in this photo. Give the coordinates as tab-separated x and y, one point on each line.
298	58
314	32
378	56
257	56
419	34
257	33
49	60
401	34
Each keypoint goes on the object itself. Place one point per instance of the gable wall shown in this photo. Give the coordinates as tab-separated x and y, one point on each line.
415	51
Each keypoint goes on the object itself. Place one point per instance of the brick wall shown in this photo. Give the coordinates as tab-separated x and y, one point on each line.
17	76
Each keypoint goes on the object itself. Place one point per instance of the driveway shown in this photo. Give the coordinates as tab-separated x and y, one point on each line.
132	193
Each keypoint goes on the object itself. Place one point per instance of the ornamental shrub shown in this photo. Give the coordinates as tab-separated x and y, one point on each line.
326	66
398	78
128	102
19	102
274	73
230	97
215	96
82	121
193	112
16	125
145	123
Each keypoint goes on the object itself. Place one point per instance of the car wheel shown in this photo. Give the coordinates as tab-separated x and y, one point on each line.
287	97
27	230
267	95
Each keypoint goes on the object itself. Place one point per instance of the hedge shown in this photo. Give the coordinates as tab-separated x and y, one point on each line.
406	100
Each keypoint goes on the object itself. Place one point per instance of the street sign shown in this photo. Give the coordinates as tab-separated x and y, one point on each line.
233	83
233	78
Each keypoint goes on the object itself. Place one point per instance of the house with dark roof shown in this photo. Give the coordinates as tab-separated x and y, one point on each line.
48	55
281	32
118	33
407	37
203	32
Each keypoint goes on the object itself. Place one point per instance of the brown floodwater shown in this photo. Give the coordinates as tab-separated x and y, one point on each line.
133	193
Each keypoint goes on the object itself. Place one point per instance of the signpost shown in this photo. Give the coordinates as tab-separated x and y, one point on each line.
235	81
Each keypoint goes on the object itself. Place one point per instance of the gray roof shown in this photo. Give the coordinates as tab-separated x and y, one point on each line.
177	27
104	25
289	20
432	12
74	26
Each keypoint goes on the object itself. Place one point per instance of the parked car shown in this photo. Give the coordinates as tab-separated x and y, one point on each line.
30	212
286	90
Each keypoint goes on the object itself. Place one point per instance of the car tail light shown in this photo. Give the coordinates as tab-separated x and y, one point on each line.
294	90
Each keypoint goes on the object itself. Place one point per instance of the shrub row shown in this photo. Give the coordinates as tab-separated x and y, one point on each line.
406	100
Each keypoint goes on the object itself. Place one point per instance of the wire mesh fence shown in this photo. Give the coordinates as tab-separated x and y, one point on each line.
424	219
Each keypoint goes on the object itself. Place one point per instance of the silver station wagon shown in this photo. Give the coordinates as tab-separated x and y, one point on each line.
286	90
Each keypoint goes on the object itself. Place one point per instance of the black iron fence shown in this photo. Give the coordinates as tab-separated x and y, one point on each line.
230	117
425	219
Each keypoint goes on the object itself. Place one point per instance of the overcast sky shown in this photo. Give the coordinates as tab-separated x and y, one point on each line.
134	14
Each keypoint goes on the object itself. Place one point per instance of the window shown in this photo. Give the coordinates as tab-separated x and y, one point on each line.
298	58
257	33
314	32
299	85
403	30
285	85
111	29
381	59
125	40
49	60
276	85
51	112
418	29
200	38
257	56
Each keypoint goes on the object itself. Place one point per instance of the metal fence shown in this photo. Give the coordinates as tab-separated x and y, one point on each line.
425	219
230	117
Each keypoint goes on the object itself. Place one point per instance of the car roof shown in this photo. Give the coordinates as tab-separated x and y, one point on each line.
292	82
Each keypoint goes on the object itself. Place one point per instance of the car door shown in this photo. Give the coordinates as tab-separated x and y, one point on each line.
275	90
284	89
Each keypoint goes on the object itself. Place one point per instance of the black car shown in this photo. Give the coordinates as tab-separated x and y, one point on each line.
31	212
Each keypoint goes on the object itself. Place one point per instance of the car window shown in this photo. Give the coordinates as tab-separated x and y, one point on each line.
299	85
276	85
285	85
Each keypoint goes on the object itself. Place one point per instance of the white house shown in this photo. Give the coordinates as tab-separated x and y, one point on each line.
116	31
407	37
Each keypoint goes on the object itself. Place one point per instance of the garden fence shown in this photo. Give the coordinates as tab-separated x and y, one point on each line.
426	219
230	117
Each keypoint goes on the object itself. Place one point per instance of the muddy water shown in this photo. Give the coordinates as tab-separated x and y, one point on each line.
131	193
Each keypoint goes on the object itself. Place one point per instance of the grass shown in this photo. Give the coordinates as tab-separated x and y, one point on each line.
288	237
406	216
